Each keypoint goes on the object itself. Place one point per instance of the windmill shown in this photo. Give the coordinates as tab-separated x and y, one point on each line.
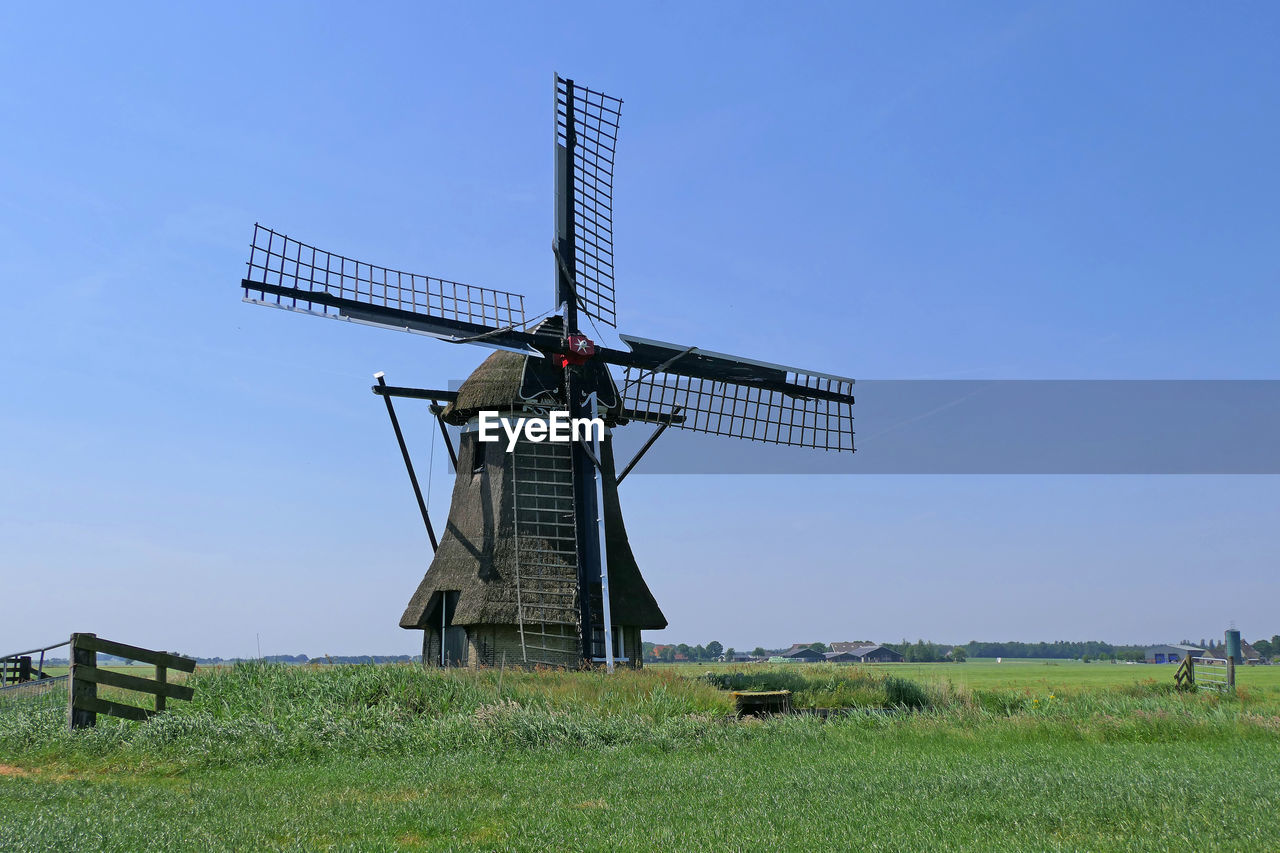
534	565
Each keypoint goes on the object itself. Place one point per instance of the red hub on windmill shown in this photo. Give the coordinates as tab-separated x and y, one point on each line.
580	348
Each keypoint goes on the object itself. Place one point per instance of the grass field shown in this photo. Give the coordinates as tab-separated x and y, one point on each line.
1027	673
1015	756
144	670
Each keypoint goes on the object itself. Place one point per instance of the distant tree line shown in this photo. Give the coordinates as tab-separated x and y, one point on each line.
1268	648
673	652
924	651
1062	649
921	651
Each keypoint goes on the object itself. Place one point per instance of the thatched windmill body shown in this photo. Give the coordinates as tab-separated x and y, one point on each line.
534	565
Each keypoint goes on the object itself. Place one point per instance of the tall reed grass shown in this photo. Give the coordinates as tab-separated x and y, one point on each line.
261	713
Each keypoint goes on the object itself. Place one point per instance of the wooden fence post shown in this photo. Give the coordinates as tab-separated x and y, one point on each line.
162	677
1191	671
1231	673
83	689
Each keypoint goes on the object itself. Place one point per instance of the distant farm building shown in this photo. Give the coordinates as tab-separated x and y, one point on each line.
878	654
676	655
842	657
1249	653
858	652
802	654
1172	653
862	652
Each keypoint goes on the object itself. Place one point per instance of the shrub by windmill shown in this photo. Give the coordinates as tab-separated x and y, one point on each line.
534	565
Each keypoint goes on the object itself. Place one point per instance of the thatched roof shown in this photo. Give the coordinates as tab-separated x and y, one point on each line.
494	385
477	552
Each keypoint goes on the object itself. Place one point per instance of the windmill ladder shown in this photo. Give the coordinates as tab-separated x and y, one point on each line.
546	581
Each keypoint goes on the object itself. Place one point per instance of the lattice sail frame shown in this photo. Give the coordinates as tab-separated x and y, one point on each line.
725	408
595	129
276	259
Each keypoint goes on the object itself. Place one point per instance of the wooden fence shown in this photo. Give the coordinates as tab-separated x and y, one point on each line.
84	704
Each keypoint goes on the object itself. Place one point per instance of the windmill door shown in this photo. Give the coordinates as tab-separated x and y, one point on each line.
453	638
455	646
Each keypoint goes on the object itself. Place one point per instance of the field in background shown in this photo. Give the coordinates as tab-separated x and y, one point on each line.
1010	756
1024	673
142	670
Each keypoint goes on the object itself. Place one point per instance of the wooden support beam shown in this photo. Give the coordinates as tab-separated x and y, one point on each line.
438	411
432	394
657	433
408	463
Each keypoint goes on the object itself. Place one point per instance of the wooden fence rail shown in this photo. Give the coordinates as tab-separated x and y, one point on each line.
84	706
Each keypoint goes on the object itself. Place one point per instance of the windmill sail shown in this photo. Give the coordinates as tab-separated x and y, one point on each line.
286	273
726	395
586	136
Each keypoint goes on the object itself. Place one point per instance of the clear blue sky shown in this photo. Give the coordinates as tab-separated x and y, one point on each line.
997	190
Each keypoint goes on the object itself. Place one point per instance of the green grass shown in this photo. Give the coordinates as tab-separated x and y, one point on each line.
1025	673
976	683
363	757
